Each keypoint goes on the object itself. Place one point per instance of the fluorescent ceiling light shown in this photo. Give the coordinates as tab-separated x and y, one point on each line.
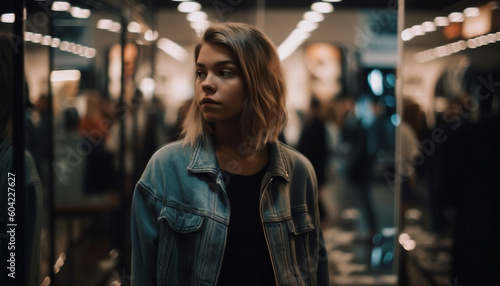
312	16
188	7
65	75
150	35
134	27
116	27
64	46
417	30
406	35
428	26
456	17
471	12
80	13
46	40
91	52
173	49
55	42
8	18
322	7
199	26
104	24
196	16
60	6
441	21
37	38
28	36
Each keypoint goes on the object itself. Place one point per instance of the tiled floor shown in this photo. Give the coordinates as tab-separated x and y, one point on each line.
355	256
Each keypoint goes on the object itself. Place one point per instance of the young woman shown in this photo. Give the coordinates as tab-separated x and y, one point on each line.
229	204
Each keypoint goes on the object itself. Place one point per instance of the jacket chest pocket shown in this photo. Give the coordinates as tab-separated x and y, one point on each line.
300	227
300	223
179	244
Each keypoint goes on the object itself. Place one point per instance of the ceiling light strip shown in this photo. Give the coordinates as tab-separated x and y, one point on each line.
304	28
65	46
456	47
440	21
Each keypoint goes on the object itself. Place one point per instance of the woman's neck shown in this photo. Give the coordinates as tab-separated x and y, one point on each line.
229	134
236	152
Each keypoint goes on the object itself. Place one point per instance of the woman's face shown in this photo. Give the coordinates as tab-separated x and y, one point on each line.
219	86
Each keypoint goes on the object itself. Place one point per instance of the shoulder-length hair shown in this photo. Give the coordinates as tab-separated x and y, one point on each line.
264	113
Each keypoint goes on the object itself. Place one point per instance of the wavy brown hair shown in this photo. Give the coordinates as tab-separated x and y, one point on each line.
264	113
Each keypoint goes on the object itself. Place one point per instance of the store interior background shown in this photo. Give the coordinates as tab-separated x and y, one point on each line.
434	207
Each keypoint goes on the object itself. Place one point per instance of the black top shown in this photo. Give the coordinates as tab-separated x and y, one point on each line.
246	258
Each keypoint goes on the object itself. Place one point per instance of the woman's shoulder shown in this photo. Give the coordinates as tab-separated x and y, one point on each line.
294	157
299	167
169	155
166	161
173	150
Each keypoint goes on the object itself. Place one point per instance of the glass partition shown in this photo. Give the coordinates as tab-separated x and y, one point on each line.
86	92
20	189
86	198
448	158
101	98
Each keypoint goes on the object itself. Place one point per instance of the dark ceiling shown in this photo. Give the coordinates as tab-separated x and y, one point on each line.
252	4
269	4
285	4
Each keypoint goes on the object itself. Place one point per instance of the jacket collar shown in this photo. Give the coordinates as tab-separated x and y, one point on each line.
204	160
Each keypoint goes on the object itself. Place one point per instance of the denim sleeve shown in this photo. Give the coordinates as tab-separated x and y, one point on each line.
33	220
322	271
145	232
323	276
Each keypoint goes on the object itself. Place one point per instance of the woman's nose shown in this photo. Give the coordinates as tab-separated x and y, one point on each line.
208	85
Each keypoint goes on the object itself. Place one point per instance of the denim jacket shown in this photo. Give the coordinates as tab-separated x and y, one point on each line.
180	216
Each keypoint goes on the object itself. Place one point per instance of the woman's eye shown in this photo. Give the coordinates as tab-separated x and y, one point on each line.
225	73
200	74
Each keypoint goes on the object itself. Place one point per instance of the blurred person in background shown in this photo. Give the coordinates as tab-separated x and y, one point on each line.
94	127
350	164
324	64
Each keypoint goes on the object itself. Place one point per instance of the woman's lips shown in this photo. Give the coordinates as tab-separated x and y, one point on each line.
207	100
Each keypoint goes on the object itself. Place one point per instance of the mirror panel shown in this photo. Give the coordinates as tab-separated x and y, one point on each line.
75	117
448	165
